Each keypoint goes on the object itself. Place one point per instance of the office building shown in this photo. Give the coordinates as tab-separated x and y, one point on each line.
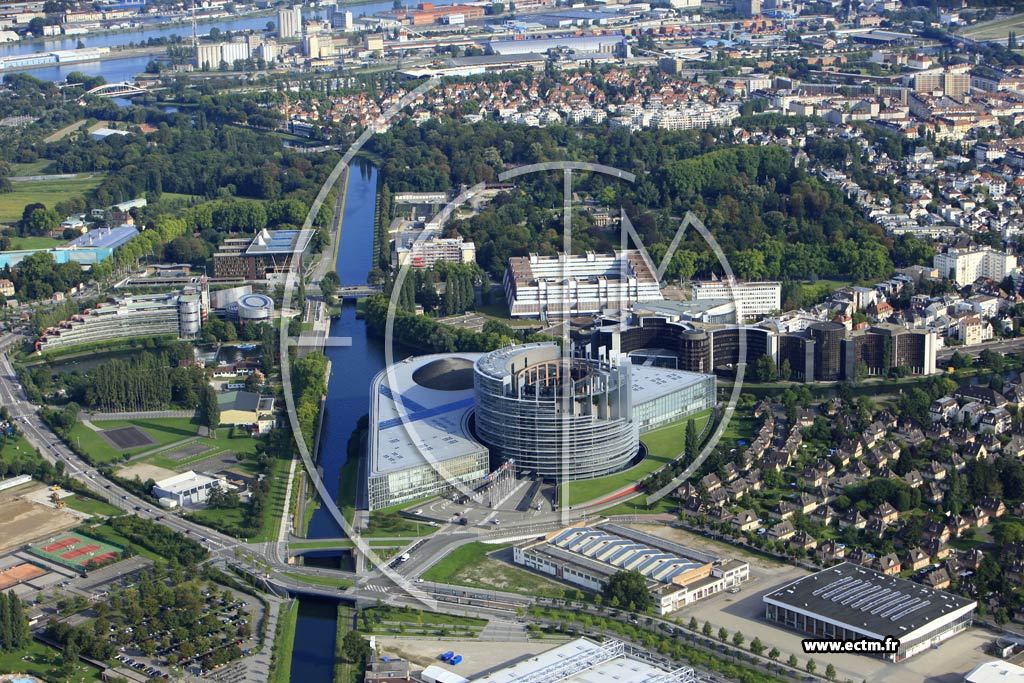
187	488
824	351
179	314
289	21
964	266
754	299
567	419
748	8
570	285
409	249
270	255
420	440
212	57
588	556
421	410
851	602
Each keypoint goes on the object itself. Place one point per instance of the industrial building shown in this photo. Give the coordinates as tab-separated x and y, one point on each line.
569	285
269	255
825	351
581	661
421	409
247	409
187	488
419	439
571	43
179	314
588	556
567	419
90	248
754	299
852	602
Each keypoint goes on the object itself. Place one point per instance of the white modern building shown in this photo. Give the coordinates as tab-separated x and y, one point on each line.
588	556
996	671
851	602
179	314
570	285
755	300
964	266
187	488
580	661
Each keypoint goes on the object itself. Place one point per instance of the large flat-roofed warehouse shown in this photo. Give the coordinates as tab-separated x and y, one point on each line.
588	556
851	602
420	409
585	661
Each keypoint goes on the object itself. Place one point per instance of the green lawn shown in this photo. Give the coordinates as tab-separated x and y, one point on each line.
663	446
241	443
45	663
34	243
163	430
469	565
230	520
91	506
284	644
38	167
328	581
48	192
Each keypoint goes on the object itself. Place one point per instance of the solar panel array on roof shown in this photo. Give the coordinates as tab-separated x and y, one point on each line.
597	544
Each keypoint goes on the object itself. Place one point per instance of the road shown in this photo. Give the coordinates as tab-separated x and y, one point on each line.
999	345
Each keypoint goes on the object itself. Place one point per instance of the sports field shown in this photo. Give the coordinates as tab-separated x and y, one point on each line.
19	573
995	30
48	191
76	551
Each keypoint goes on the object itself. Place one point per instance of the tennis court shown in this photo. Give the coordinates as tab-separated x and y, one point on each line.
19	573
76	551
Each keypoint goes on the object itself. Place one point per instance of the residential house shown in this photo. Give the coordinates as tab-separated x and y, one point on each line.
936	530
781	531
888	564
746	520
916	558
830	551
937	578
853	518
886	513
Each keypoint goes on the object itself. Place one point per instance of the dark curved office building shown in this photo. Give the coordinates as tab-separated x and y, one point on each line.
825	351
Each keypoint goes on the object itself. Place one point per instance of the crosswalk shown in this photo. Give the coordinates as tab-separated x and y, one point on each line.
376	587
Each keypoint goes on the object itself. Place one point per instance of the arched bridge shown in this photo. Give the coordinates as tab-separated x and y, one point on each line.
124	89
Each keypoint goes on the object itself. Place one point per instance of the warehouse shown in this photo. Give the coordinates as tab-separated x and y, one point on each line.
849	603
588	556
585	661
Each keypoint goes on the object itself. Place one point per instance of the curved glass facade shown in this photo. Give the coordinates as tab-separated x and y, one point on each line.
562	419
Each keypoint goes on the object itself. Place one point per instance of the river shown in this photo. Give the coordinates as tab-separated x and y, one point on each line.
116	70
352	370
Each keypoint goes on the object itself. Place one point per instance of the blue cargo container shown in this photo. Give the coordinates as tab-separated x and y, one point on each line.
447	656
455	660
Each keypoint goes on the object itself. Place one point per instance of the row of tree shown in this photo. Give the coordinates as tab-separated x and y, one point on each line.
14	631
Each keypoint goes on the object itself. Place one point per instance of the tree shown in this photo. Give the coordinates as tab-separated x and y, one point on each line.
691	439
693	625
630	588
738	638
723	635
707	630
792	661
209	409
756	646
811	666
830	672
774	653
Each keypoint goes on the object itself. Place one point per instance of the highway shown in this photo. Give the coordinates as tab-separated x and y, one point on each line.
974	350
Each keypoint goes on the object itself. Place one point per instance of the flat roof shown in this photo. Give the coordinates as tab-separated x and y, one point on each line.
868	601
651	383
279	242
996	670
413	419
581	661
104	238
185	481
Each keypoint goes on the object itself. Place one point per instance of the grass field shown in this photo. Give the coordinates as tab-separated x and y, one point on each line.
163	430
49	192
995	30
105	533
663	445
328	581
91	506
37	167
284	644
469	565
18	243
45	663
